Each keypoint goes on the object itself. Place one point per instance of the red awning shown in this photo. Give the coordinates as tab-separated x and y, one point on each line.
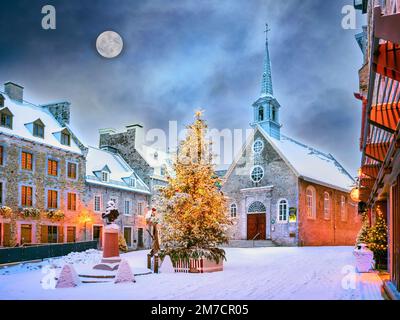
370	170
377	151
367	182
386	116
387	60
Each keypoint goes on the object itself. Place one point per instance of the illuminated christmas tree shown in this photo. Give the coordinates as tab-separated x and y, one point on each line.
194	210
377	237
362	236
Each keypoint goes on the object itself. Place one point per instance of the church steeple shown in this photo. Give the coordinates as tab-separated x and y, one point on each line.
266	108
266	84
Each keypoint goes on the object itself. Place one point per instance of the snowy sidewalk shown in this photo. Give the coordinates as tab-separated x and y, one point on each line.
323	273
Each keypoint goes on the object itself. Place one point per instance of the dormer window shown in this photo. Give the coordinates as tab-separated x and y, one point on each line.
6	118
105	177
65	139
38	129
132	182
156	155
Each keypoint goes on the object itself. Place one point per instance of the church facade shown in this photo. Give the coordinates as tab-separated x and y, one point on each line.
283	190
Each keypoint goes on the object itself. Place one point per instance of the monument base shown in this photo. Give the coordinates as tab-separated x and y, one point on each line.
111	259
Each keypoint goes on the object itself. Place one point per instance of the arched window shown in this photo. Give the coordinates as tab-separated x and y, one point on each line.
273	114
257	207
327	206
261	113
283	210
258	146
311	203
343	211
257	174
233	210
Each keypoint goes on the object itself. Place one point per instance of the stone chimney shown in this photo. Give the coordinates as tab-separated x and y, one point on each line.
60	111
138	131
14	91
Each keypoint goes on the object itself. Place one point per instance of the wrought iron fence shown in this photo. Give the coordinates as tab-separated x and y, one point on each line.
39	252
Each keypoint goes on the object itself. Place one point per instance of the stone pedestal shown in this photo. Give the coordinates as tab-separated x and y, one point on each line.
111	257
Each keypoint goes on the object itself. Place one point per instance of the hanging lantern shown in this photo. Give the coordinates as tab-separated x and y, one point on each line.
355	194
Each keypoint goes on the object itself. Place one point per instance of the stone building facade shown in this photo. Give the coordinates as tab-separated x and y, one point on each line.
283	190
42	174
110	178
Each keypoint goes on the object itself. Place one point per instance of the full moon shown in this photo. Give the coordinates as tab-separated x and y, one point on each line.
109	44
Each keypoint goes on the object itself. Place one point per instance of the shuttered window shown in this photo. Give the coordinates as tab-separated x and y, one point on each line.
26	196
72	201
71	170
52	199
26	161
52	167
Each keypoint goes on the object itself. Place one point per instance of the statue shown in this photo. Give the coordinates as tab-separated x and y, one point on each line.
111	213
154	222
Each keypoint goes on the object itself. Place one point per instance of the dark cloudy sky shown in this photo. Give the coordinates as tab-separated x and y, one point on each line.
181	55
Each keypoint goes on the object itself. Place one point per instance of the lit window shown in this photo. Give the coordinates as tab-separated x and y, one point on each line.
233	210
343	211
257	174
38	130
65	139
26	161
52	199
52	167
311	203
104	176
71	201
71	170
327	206
258	146
283	210
26	196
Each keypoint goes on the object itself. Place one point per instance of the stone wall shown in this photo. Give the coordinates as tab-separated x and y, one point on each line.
240	189
123	220
124	143
13	177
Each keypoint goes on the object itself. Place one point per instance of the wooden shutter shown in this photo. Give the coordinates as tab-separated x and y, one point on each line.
6	235
60	234
44	237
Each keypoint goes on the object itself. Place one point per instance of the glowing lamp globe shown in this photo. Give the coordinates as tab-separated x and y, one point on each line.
355	194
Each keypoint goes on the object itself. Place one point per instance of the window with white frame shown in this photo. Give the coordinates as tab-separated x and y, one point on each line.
127	207
311	209
258	146
327	206
283	210
140	207
97	203
257	174
105	176
233	210
343	211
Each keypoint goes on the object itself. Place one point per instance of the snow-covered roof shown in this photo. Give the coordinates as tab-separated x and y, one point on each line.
156	158
306	162
311	164
120	172
25	113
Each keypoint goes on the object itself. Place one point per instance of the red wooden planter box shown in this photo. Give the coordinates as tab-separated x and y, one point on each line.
198	266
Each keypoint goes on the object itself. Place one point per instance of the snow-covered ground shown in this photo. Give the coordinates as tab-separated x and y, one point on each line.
260	273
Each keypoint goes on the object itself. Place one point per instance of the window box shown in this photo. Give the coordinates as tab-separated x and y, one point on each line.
32	213
55	215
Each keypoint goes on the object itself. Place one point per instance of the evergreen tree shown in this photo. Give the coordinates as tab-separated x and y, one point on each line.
378	242
193	208
362	236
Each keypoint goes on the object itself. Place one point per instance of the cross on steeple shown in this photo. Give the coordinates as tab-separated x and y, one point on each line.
266	85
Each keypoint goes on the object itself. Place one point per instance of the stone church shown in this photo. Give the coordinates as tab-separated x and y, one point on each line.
283	190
